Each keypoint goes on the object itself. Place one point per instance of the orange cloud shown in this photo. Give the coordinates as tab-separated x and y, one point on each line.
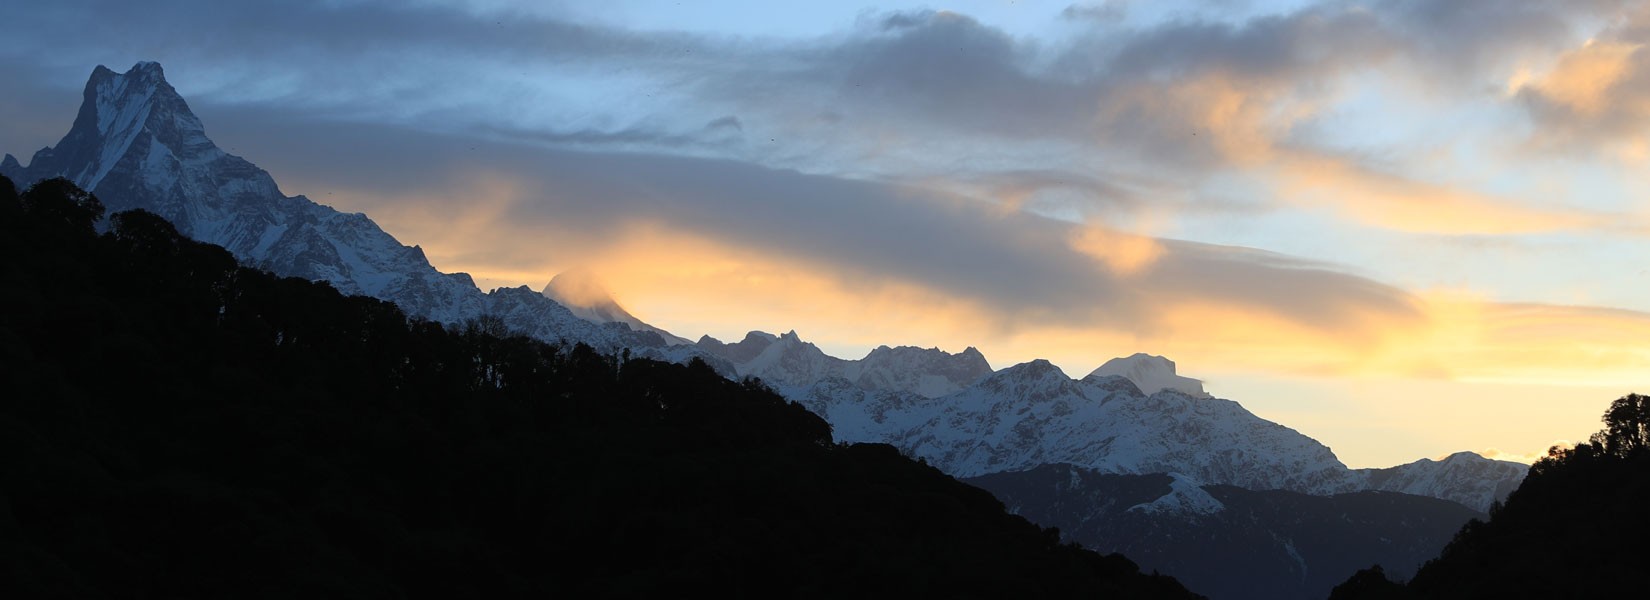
1594	97
1583	79
1122	253
1228	118
1392	202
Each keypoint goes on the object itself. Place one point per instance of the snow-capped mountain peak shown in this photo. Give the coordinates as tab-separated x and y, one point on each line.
1151	373
927	371
582	292
1034	380
1463	477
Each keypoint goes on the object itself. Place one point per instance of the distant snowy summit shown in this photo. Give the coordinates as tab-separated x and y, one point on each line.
1151	374
791	365
582	292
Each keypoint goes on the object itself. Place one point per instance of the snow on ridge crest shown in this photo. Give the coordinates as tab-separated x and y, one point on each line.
793	364
1186	497
1151	374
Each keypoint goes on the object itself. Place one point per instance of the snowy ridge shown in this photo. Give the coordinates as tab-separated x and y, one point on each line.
1463	477
792	365
136	144
1032	414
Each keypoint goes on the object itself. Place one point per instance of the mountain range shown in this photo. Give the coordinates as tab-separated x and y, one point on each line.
1033	414
136	144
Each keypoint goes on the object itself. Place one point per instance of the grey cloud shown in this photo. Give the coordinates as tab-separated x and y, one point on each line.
860	233
928	75
1464	35
714	136
945	75
727	123
1109	11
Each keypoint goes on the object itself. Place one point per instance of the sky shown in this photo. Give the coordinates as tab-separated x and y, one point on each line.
1402	227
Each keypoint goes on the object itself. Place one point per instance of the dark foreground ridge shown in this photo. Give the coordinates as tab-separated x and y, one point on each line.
1576	528
174	425
1241	544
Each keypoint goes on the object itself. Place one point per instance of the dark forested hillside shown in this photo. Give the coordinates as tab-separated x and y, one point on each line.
1229	542
1576	528
174	425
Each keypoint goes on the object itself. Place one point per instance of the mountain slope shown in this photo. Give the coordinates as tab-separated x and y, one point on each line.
582	293
1228	542
1463	477
136	144
1033	414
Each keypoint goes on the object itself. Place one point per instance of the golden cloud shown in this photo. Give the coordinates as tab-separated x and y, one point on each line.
1399	204
1123	253
1582	80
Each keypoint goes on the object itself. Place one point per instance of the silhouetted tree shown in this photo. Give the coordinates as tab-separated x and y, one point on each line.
9	208
59	202
1369	584
1627	426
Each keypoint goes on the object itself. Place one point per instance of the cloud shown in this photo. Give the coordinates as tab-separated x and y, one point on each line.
1019	269
1109	11
1393	202
1595	97
899	96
